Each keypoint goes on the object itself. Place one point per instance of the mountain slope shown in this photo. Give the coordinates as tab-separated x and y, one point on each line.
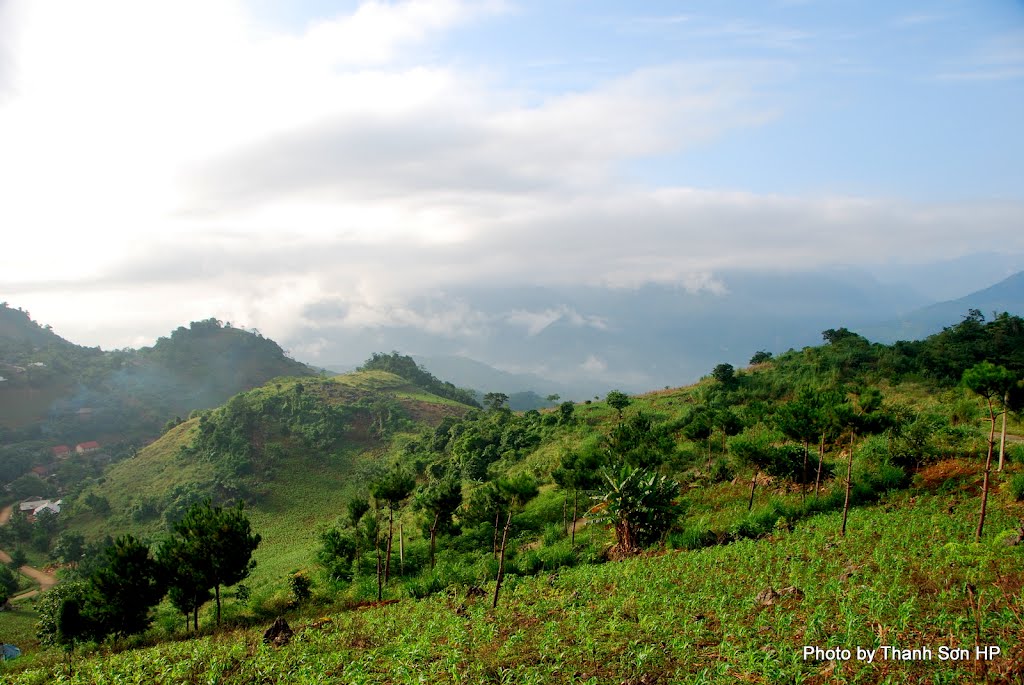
297	449
1005	296
592	338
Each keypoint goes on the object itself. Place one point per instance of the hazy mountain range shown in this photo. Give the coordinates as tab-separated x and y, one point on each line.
579	341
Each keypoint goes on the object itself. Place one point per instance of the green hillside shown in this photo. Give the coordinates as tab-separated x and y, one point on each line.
296	450
57	393
737	551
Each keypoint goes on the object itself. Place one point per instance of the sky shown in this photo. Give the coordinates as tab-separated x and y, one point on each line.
162	162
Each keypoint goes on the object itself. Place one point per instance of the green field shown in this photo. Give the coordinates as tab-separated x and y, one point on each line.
907	574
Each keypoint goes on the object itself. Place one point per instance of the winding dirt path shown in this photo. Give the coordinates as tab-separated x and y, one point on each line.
45	580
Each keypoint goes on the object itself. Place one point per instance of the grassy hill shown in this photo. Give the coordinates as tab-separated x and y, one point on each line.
309	462
736	613
728	592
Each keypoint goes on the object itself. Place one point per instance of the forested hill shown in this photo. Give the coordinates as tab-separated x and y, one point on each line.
57	393
407	368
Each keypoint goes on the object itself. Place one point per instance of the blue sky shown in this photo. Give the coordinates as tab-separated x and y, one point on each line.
918	100
248	160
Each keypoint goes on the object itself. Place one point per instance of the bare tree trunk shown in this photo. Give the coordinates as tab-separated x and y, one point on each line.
753	483
565	507
1002	432
803	478
821	458
575	498
380	576
391	535
216	590
401	548
433	536
195	617
501	561
849	475
988	469
494	543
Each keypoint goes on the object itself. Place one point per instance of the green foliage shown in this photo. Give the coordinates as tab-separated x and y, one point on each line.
618	401
54	627
760	357
1017	487
495	400
338	549
393	487
640	442
724	374
641	505
8	584
301	586
989	380
123	591
210	547
407	368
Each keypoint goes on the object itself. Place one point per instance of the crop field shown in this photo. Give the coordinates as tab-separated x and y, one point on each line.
907	575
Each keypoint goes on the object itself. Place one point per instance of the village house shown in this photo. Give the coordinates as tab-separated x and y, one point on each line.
90	446
61	451
34	507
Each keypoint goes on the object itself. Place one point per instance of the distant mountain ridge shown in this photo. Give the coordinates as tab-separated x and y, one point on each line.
1005	296
587	339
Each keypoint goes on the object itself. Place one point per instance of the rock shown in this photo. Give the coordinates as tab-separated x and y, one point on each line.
792	590
278	634
767	597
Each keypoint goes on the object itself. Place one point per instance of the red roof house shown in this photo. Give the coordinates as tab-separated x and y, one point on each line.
61	451
90	446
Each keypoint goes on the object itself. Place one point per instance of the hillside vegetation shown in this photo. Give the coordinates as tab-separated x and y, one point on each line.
827	497
58	393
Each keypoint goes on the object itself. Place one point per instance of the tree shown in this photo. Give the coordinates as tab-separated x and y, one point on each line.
798	420
989	382
861	414
618	401
641	506
1011	400
513	494
439	500
123	591
69	548
495	400
754	450
217	546
565	413
639	442
8	584
579	471
187	586
393	488
760	357
58	626
338	549
724	374
553	398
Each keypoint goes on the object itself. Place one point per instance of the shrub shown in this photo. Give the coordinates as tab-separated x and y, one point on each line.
1017	487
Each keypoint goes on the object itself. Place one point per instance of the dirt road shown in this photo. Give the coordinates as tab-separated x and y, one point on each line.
45	580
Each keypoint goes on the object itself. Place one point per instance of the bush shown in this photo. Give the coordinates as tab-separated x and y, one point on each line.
721	471
301	586
1017	487
692	538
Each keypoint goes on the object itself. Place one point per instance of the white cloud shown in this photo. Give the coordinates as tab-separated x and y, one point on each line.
594	365
164	162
